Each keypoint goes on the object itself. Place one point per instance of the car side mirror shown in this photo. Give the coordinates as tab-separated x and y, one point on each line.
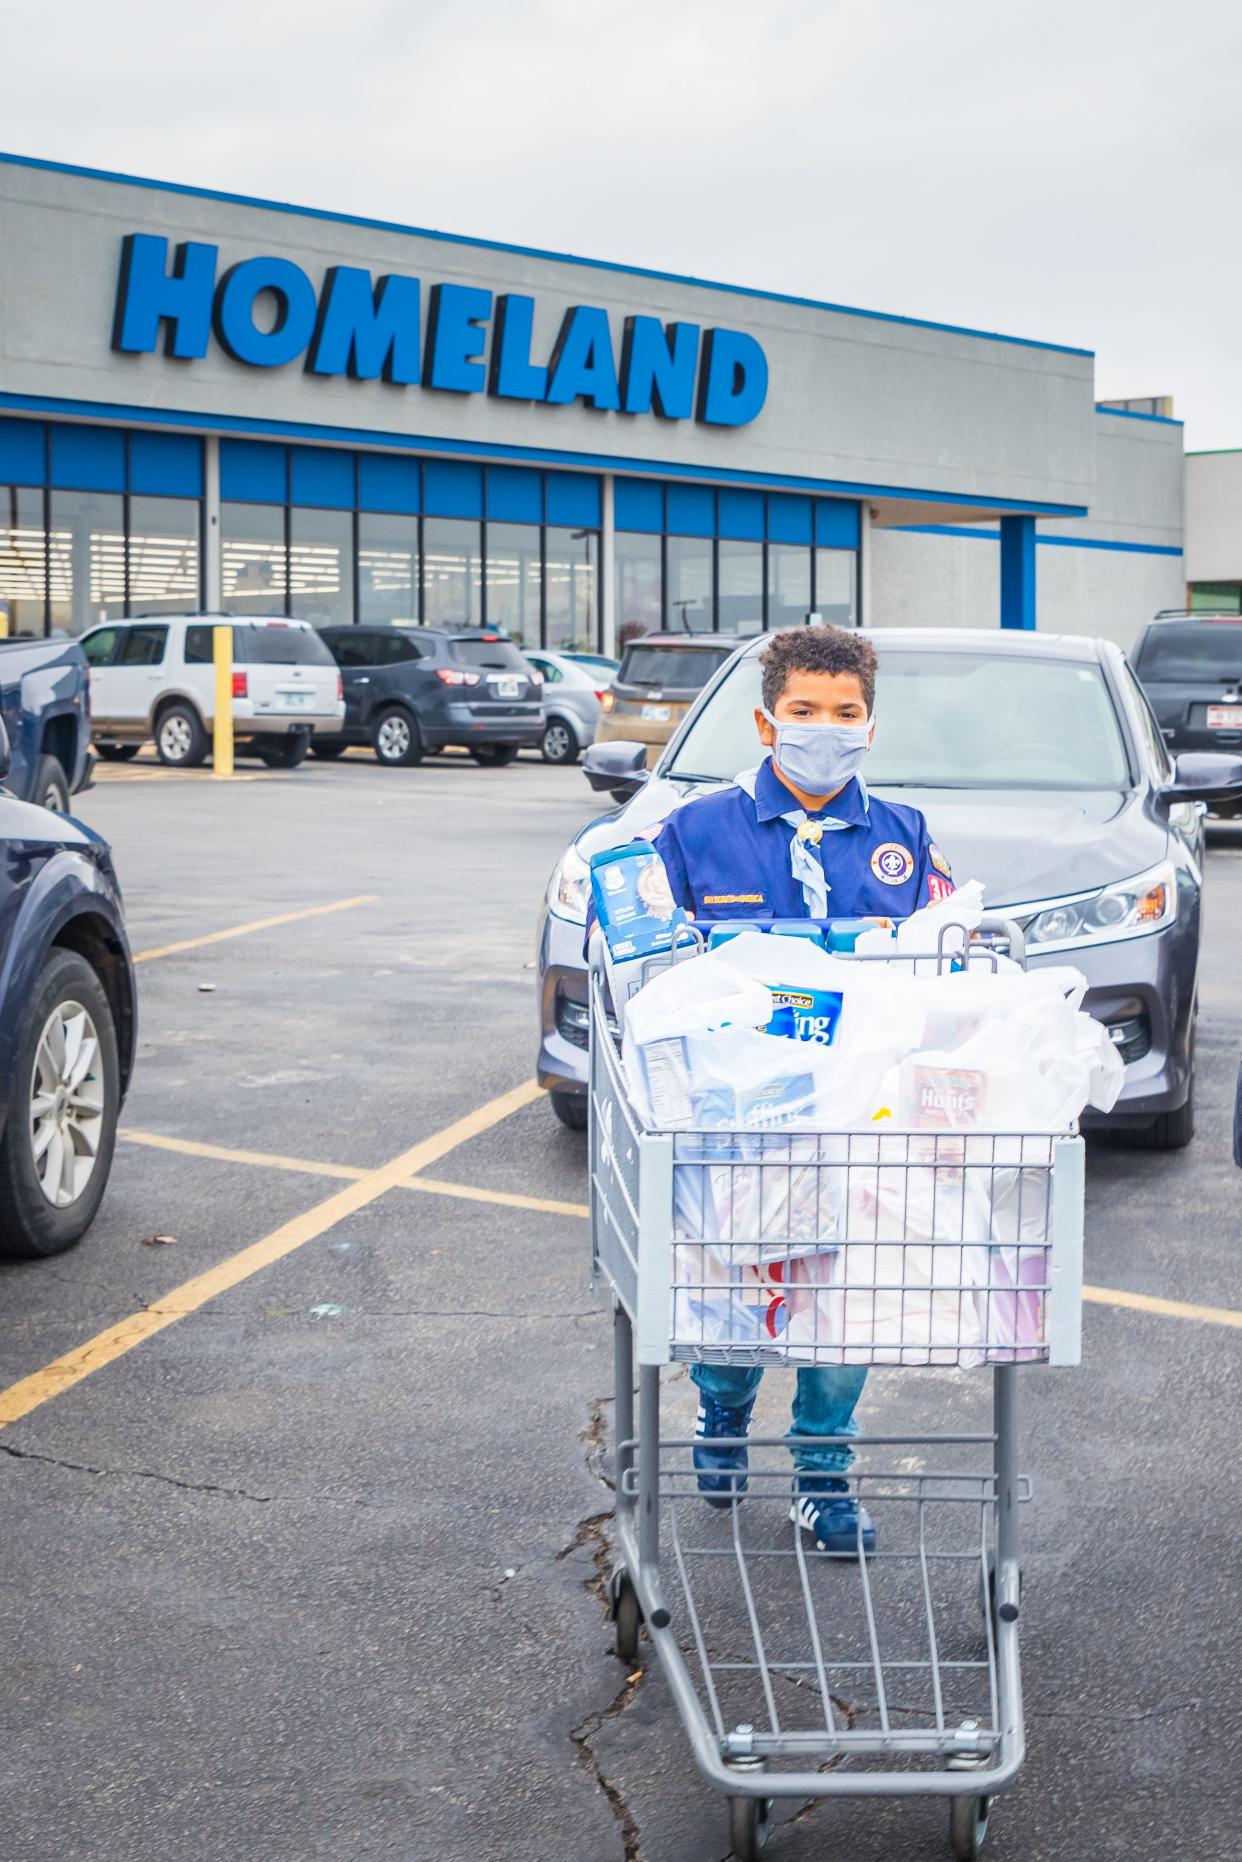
619	767
1205	776
5	754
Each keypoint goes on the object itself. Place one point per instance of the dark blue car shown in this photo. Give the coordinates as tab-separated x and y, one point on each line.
67	1023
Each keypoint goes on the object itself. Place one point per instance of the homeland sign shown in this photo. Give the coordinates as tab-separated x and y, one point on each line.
266	312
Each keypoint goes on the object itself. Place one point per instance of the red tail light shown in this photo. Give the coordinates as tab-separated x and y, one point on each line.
241	688
600	696
340	689
450	676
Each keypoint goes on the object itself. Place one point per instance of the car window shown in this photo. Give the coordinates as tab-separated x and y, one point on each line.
684	668
142	646
1152	736
396	649
275	645
948	720
598	662
1195	650
352	647
490	653
100	646
552	673
198	646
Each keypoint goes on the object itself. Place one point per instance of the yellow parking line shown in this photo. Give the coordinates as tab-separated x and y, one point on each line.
259	924
29	1392
508	1198
222	1154
1168	1309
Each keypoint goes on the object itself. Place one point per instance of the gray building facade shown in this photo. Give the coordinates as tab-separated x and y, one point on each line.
213	400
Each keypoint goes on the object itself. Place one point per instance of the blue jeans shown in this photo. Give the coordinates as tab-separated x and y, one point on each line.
823	1404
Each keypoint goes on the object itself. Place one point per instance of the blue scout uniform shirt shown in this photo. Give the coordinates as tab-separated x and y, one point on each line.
727	855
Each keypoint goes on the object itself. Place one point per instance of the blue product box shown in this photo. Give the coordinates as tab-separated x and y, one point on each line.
805	1014
632	900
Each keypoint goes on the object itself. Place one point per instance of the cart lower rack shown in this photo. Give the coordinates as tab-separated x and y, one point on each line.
800	1673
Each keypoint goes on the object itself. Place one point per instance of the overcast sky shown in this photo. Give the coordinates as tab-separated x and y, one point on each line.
1067	169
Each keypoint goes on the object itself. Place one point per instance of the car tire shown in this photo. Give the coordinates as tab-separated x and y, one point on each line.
494	756
180	737
559	743
1171	1131
283	752
33	1222
327	753
51	788
118	753
570	1109
396	740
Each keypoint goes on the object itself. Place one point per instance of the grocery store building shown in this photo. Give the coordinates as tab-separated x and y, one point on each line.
212	400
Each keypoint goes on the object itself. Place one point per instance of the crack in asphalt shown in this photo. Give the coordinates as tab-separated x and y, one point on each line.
137	1474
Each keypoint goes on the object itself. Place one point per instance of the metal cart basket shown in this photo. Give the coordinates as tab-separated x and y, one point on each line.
800	1673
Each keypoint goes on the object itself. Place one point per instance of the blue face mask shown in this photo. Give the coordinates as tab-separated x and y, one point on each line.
819	759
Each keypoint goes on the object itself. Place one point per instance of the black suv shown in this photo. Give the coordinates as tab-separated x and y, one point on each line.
1190	666
413	689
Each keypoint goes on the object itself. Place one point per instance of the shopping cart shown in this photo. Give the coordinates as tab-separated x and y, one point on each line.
799	1673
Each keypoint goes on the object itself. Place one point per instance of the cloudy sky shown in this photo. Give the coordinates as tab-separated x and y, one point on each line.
1064	169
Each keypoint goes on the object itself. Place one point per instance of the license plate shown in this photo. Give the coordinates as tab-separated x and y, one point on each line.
1224	717
507	688
656	714
295	701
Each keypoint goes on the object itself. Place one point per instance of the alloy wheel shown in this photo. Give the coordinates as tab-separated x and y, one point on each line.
393	738
175	738
66	1104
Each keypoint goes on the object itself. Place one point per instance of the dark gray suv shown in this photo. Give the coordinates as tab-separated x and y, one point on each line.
409	690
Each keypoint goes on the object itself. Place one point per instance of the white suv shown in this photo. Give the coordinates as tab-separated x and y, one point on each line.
155	678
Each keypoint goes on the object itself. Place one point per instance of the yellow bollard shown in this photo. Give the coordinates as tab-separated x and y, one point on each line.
222	741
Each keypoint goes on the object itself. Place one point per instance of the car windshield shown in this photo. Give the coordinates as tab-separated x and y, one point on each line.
1210	650
279	646
598	661
951	720
491	655
684	668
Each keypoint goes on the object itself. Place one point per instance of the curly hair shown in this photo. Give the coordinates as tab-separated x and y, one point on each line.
816	649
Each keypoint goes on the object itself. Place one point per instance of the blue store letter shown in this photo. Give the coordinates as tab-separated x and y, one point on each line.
582	367
455	338
733	383
513	374
148	294
657	367
366	333
236	329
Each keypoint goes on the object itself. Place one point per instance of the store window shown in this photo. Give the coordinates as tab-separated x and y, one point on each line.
1216	598
740	594
387	569
789	585
23	560
86	559
321	566
252	558
836	587
452	572
639	586
513	581
163	555
570	589
689	569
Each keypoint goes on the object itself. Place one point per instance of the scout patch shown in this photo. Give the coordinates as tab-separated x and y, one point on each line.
892	863
938	861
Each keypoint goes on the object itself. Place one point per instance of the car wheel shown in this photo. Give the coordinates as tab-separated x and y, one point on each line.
51	786
180	739
327	753
570	1109
284	752
558	743
395	739
56	1151
494	756
118	753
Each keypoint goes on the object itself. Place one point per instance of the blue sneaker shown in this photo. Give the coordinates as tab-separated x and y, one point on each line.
721	1471
824	1507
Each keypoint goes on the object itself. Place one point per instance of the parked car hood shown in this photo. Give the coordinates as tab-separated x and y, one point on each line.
23	821
1023	845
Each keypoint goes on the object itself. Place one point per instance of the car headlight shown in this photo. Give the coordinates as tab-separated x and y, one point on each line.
569	888
1131	908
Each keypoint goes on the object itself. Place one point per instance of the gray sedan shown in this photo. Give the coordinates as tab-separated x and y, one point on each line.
572	689
1042	773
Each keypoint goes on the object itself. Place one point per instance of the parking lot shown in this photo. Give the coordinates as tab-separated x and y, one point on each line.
305	1508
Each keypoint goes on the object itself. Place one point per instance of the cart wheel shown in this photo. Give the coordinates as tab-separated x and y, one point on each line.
987	1599
968	1825
627	1619
750	1825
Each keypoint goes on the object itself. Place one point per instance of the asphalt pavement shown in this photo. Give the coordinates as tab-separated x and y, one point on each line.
313	1568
